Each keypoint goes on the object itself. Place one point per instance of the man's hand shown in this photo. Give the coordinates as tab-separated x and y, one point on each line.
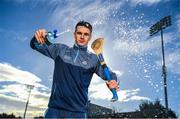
112	84
40	36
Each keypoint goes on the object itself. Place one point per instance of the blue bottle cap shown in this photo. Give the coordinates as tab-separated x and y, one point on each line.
55	33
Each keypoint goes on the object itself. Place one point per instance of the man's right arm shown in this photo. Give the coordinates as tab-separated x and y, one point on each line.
40	44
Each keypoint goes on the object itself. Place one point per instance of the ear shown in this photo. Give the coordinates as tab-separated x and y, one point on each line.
90	36
74	35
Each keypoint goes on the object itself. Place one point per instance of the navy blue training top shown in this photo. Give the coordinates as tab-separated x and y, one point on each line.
73	71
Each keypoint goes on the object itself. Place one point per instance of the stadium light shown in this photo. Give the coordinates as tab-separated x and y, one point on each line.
159	26
30	87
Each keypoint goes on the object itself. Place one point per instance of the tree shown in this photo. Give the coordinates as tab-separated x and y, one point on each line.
4	115
155	110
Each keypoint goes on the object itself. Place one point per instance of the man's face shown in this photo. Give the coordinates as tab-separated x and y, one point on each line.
82	35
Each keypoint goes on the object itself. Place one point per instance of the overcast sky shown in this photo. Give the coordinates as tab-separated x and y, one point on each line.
129	50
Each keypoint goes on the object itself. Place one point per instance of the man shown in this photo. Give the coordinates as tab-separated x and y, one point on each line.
74	68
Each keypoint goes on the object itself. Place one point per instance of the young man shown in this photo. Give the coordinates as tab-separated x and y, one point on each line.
74	68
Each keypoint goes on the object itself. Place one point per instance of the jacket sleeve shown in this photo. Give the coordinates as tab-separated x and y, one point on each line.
99	71
47	49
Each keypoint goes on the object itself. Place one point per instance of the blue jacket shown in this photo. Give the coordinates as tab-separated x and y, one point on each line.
74	68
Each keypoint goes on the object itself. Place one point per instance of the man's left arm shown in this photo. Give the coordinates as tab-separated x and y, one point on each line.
112	83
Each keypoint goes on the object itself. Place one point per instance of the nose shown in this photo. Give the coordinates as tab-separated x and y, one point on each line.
82	35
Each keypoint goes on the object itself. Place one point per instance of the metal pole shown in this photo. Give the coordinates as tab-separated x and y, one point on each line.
164	71
27	103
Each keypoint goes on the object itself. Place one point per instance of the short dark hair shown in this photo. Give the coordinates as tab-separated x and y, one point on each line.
85	24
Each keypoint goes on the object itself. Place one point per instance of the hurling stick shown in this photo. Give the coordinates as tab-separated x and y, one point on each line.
97	47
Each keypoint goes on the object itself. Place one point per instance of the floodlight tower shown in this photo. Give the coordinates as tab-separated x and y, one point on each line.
30	87
159	26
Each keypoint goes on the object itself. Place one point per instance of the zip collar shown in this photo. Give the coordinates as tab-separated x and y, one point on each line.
79	47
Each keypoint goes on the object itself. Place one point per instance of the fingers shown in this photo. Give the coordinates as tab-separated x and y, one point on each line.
44	33
112	84
40	36
117	88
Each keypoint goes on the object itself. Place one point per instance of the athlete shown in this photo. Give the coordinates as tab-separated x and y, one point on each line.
73	71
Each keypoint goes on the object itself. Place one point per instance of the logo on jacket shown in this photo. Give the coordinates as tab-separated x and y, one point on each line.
84	62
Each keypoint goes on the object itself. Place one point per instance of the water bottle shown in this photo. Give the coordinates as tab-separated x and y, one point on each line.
51	36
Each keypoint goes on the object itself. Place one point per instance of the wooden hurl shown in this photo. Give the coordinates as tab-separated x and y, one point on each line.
97	47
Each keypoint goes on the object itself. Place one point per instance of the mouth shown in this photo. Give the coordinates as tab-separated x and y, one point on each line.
81	41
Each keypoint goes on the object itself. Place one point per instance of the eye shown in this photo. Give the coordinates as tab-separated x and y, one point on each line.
79	33
86	34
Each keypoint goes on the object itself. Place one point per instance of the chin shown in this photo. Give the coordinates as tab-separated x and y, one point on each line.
81	44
